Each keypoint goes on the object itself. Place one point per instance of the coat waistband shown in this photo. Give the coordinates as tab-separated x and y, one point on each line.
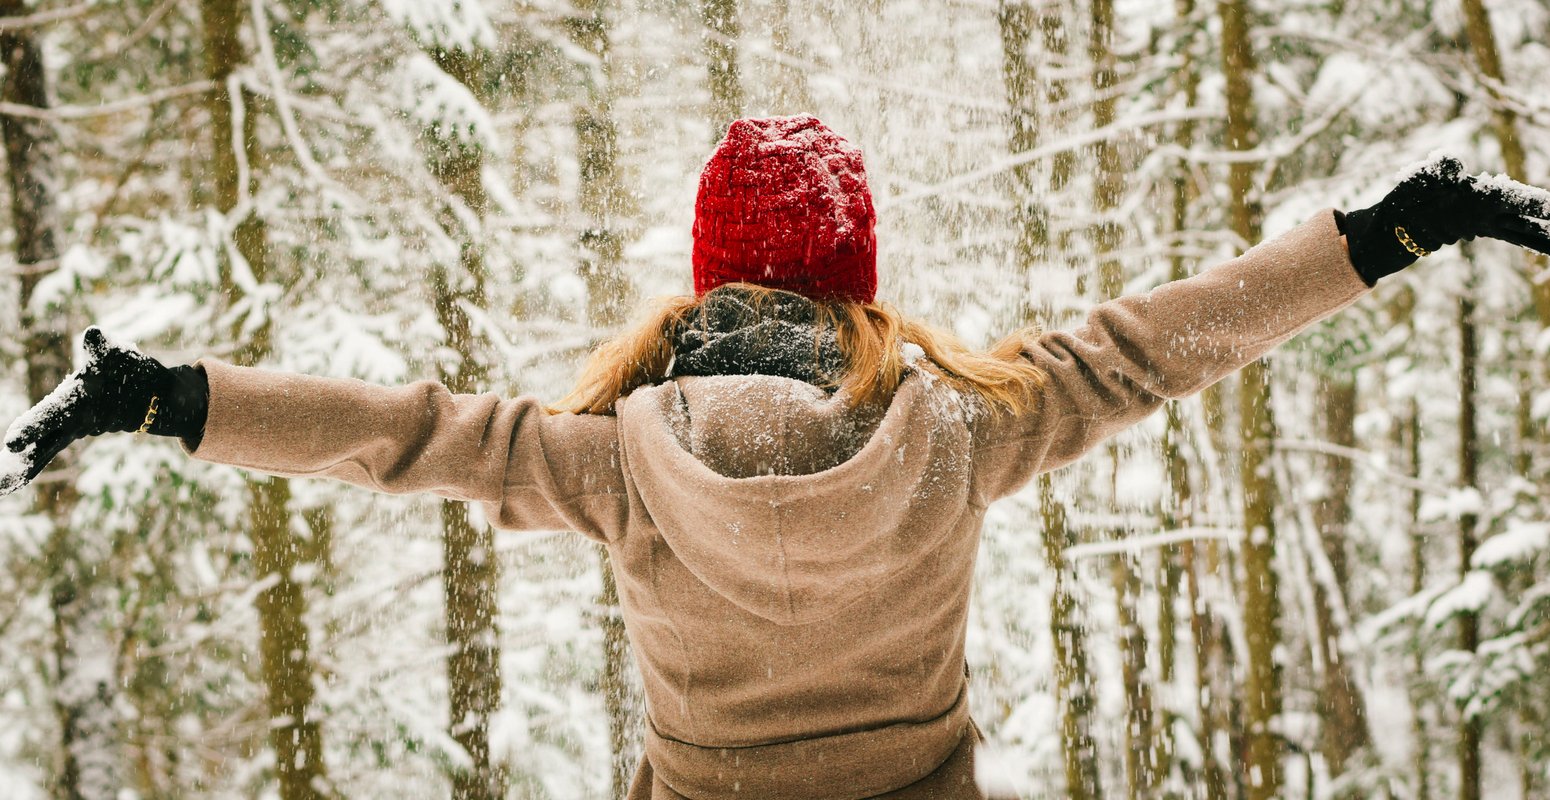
847	766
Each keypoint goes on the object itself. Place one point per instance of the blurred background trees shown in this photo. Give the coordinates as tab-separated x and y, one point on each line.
1327	577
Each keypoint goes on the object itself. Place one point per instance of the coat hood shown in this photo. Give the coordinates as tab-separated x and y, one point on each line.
784	500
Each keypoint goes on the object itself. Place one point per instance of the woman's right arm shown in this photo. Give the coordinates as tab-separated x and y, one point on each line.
531	469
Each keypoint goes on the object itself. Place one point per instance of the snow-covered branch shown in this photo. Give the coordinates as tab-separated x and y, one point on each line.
1136	544
106	109
1065	145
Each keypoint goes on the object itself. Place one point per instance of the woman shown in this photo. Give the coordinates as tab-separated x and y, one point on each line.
790	478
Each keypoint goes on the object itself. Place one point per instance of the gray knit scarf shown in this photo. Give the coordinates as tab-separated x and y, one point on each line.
727	335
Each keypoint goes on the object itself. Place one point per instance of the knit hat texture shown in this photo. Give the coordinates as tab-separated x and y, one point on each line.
783	203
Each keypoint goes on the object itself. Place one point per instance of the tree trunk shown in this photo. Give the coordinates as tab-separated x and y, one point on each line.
285	651
1407	442
618	685
601	197
89	765
1504	119
1073	683
1470	726
1421	731
1220	701
285	642
608	293
726	85
1141	750
1141	744
1073	680
1341	705
471	570
1179	561
1024	93
792	94
1482	45
1213	667
1108	177
1256	430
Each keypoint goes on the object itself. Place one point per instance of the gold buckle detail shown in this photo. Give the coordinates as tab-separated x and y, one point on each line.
150	416
1409	243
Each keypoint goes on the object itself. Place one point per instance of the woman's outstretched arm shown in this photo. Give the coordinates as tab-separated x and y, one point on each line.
530	469
1136	352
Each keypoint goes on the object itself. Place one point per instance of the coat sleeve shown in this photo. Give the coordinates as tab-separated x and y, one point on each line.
1135	352
528	468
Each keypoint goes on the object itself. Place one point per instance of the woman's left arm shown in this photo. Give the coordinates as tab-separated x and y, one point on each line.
1135	352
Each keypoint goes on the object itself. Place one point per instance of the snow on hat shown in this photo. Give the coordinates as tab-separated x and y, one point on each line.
783	203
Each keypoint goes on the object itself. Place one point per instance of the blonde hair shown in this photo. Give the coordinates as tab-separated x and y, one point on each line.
871	339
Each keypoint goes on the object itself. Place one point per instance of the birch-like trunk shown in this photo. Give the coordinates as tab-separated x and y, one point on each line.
89	765
285	646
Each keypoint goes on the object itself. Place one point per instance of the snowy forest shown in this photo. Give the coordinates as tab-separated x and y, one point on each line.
1328	576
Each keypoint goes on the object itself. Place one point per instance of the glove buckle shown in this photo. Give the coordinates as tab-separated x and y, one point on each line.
150	416
1409	243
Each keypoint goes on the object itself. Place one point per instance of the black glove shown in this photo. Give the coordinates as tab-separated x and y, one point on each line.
119	389
1439	205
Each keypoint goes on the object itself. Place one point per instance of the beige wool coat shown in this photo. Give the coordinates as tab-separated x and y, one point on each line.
794	577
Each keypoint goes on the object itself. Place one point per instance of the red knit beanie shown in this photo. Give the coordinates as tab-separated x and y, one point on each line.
783	203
